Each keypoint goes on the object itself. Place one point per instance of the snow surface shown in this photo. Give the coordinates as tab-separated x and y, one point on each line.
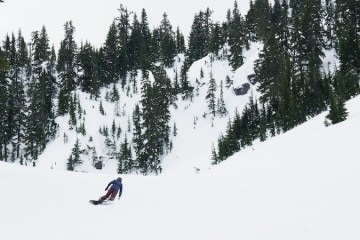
303	184
299	185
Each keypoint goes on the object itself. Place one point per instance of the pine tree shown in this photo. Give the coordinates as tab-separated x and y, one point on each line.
186	88
214	156
273	73
211	95
17	99
236	38
146	54
348	48
217	39
179	41
200	35
4	107
329	25
101	109
138	136
221	106
308	44
75	157
110	57
125	157
250	22
261	16
124	26
167	42
155	119
67	67
40	120
337	112
135	45
3	63
87	63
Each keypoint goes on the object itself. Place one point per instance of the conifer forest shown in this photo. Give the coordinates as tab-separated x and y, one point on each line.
39	83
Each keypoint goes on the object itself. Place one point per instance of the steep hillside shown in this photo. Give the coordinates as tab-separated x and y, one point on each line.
299	185
197	130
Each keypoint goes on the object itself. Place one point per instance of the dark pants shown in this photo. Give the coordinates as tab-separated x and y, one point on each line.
110	193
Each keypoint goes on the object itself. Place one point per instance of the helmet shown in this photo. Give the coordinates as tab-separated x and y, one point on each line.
119	179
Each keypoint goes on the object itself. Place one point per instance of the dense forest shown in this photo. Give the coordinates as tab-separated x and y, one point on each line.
37	81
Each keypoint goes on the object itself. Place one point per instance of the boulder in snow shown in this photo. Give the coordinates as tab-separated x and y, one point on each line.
242	90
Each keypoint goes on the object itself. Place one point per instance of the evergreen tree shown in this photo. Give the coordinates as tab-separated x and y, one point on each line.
179	41
135	47
250	22
40	119
221	106
137	136
280	23
124	27
67	67
214	156
308	44
155	119
217	39
337	112
186	88
155	48
3	63
125	157
75	157
109	63
273	70
200	35
167	42
329	25
88	67
261	16
17	98
146	54
4	107
348	48
236	38
211	95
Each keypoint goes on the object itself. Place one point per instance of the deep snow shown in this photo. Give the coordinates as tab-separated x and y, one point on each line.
299	185
303	184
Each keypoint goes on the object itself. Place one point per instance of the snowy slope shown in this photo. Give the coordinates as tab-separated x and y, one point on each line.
299	185
197	129
189	117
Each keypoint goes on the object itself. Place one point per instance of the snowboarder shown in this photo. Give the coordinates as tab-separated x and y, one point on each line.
115	187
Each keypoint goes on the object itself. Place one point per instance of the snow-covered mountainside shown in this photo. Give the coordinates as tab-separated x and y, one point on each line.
197	130
302	184
299	185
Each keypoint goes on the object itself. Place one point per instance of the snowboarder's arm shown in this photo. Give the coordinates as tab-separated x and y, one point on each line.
120	191
108	185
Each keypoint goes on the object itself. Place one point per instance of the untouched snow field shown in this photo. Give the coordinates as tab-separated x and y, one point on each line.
300	185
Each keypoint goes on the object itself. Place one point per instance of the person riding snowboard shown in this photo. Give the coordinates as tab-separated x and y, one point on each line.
115	187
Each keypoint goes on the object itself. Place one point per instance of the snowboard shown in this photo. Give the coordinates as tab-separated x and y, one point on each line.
96	202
